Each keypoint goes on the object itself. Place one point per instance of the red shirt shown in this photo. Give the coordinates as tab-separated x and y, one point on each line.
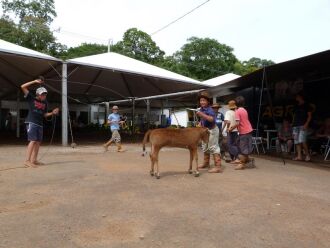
242	116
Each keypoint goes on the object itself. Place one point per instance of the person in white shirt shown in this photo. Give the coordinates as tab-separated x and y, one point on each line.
232	138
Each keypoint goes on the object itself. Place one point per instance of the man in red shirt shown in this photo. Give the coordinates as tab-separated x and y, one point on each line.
245	133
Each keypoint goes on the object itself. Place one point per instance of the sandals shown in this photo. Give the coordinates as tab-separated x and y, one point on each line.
307	159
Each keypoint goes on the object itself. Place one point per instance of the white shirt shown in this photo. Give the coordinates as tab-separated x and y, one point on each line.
230	116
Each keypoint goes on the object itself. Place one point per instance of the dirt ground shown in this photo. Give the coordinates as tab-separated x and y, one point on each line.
84	197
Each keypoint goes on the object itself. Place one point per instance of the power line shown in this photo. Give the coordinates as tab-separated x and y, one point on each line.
189	12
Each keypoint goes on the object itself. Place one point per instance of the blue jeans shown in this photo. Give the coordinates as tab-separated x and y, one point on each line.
232	139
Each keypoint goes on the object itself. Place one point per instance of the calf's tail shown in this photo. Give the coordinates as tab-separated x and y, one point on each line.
145	140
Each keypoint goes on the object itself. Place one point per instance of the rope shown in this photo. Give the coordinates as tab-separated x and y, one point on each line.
54	118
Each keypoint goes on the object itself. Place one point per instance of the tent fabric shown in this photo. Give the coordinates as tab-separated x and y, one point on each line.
111	76
18	65
221	79
118	62
7	47
91	79
310	68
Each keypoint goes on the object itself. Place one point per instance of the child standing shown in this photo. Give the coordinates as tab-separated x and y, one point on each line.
34	120
115	122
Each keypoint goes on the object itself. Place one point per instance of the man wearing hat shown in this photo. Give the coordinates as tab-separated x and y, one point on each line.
34	121
208	117
115	122
230	122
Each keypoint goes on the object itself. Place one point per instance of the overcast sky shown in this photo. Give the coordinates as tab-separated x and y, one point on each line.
279	30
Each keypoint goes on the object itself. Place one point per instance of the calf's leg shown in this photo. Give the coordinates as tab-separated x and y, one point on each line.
191	152
156	152
195	155
152	173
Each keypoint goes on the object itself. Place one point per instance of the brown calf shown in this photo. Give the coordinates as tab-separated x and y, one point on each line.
184	138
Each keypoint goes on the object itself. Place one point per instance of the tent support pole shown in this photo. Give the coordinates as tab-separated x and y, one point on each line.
18	115
133	116
148	114
107	111
64	105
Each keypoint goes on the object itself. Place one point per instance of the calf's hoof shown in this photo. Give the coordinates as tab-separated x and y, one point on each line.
158	176
190	171
196	173
152	173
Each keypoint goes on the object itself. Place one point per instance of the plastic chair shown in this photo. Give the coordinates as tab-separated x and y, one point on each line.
256	141
327	149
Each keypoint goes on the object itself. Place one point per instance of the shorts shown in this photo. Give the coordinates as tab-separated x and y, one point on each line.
212	147
245	144
299	135
34	132
115	136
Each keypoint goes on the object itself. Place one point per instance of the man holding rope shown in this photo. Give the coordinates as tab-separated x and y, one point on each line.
115	122
34	121
207	116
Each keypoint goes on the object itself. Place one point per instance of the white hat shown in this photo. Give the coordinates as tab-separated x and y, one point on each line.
41	90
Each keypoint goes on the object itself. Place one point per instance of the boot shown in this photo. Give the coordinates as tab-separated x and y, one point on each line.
206	163
217	164
119	148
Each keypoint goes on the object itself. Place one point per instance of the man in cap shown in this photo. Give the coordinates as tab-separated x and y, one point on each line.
34	121
115	122
208	117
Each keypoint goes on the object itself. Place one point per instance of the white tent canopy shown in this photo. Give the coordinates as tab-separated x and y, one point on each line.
7	47
91	79
118	62
221	79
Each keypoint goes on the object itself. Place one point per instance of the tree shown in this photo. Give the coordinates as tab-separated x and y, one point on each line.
205	58
139	45
257	62
40	9
84	49
32	28
8	30
251	65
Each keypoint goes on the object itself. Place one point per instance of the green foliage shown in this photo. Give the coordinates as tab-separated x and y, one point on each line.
246	67
139	45
9	31
32	29
206	58
40	9
84	49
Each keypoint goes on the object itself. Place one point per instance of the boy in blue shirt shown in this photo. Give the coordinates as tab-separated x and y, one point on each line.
114	121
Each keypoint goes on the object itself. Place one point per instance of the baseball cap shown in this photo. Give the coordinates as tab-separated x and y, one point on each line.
41	90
